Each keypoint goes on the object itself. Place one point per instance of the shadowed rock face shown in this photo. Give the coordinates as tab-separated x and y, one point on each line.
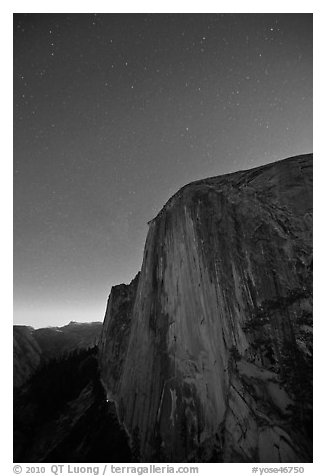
33	347
208	353
27	354
115	335
61	415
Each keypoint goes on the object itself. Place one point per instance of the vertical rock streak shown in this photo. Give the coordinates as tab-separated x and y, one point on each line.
204	352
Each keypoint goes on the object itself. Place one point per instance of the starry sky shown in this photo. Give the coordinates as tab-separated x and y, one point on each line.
113	113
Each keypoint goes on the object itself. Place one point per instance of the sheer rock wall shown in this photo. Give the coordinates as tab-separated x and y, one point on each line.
207	354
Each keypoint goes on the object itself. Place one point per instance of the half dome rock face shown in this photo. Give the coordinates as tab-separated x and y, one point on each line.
208	353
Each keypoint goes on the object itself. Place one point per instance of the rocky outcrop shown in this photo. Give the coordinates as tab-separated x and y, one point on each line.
208	353
115	335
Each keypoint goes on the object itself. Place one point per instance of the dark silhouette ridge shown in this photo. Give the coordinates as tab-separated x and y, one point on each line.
62	415
35	346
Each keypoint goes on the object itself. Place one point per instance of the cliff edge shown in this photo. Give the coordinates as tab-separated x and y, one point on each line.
207	354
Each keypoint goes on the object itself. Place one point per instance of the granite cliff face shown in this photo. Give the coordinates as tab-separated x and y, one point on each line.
208	352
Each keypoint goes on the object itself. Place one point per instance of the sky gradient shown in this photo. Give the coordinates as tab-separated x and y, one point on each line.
113	113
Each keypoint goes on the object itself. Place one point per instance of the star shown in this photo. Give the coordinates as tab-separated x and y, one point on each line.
103	101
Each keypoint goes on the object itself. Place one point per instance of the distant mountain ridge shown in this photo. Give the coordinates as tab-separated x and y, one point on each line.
33	346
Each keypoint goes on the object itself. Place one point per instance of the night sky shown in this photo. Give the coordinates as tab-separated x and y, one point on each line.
113	113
